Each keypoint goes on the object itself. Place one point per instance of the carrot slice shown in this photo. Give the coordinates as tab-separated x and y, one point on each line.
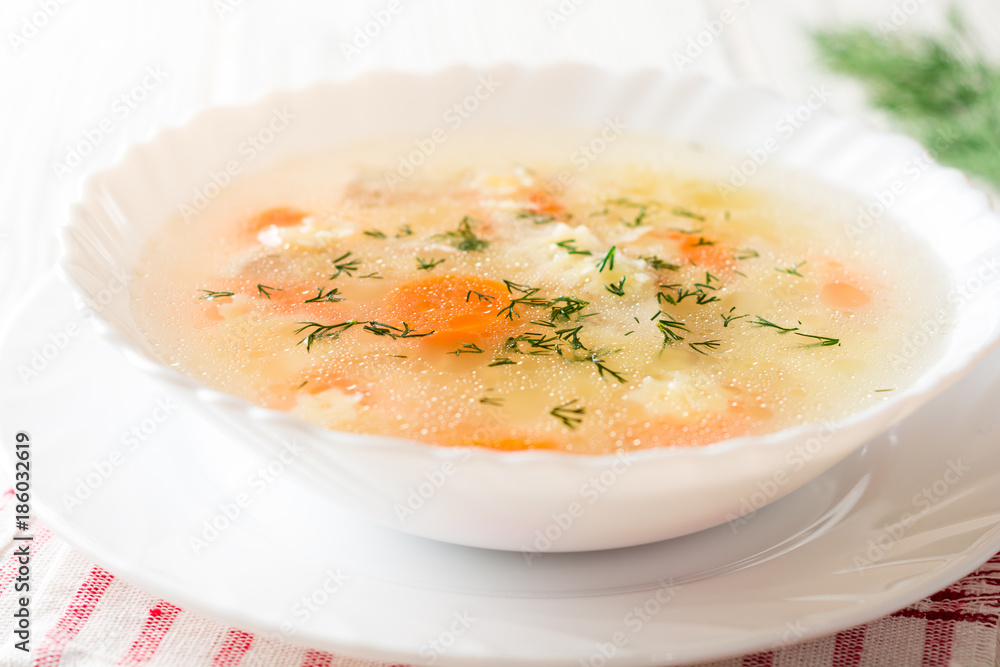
510	444
459	309
843	296
279	217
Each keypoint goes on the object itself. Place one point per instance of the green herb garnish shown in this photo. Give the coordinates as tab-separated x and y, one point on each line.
428	264
608	262
321	331
822	341
793	270
329	297
762	323
266	291
618	288
382	329
573	250
658	264
464	238
707	344
211	294
344	264
570	415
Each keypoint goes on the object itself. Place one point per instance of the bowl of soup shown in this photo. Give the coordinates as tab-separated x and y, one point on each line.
556	309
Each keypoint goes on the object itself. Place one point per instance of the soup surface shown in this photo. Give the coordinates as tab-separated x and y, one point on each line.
511	293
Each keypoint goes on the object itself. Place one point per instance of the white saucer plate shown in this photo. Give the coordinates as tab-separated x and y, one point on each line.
151	491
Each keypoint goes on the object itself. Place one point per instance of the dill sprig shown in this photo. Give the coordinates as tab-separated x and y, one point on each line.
618	289
482	297
684	213
501	361
467	348
564	307
569	246
375	233
939	89
702	241
428	264
321	331
404	230
794	271
266	291
705	345
572	336
608	262
726	319
526	299
212	294
669	326
656	263
569	413
344	264
464	238
746	253
760	322
602	368
328	297
821	341
383	329
535	217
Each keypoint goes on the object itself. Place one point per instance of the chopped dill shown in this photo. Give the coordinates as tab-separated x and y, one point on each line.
608	262
684	213
572	249
375	234
707	344
464	238
382	329
501	361
669	326
482	297
537	218
702	241
467	348
746	253
266	291
618	289
656	263
821	341
321	331
565	306
404	230
428	264
726	319
572	336
344	264
211	294
329	297
375	276
569	414
602	368
793	270
762	323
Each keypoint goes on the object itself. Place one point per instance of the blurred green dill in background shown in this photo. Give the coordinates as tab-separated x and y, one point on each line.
937	88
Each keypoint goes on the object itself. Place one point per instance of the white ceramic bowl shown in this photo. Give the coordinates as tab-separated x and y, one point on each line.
538	501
